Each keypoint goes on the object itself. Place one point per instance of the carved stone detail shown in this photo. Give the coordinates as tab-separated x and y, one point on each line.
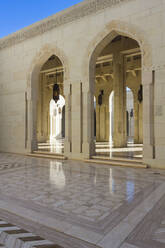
76	12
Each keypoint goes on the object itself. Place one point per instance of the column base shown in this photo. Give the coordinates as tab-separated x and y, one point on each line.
155	163
88	149
34	145
148	152
67	148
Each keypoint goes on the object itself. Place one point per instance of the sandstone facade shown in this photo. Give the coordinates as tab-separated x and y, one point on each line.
77	36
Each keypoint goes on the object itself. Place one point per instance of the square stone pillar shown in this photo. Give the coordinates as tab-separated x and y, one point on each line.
98	109
76	123
107	121
119	86
159	97
148	115
31	139
32	122
88	124
102	122
136	118
68	117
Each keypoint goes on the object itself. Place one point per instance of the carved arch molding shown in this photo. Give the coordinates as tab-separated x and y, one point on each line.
109	32
40	58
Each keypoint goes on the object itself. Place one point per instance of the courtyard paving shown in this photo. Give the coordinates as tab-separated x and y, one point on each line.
75	204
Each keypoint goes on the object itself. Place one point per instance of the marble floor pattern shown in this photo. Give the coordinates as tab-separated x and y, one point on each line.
75	204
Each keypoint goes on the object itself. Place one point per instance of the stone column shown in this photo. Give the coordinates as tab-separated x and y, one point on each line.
148	115
32	128
119	87
98	109
42	111
32	121
141	123
34	143
68	113
39	103
88	123
102	122
159	117
45	115
136	118
76	119
107	121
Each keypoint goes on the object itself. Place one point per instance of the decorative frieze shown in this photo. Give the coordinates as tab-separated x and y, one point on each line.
78	11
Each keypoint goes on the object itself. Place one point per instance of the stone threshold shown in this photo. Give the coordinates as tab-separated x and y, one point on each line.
50	155
117	162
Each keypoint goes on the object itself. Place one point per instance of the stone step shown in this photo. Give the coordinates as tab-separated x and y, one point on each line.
139	161
47	155
117	163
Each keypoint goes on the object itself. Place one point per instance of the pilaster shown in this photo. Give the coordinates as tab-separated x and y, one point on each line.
76	118
148	115
88	147
159	119
68	120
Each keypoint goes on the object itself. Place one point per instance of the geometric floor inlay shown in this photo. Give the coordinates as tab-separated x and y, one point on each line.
150	232
98	202
96	198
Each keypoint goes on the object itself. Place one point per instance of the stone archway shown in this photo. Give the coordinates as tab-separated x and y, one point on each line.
32	88
112	30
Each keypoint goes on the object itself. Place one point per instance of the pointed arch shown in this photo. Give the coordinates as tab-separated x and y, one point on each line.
32	86
40	58
98	43
112	30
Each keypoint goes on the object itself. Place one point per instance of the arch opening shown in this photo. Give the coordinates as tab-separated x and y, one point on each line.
115	70
50	114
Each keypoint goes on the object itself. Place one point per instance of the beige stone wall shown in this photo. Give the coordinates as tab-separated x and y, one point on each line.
74	36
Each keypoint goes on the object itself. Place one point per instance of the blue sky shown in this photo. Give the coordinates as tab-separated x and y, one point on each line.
17	14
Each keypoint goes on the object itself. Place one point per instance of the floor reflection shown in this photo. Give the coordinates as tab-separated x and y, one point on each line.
94	197
57	176
72	188
130	191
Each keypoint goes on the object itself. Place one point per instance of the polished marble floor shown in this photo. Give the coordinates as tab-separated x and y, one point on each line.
75	204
